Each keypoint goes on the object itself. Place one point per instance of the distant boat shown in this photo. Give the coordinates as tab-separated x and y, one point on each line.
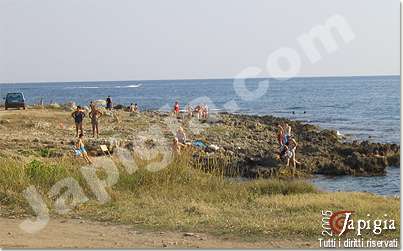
128	86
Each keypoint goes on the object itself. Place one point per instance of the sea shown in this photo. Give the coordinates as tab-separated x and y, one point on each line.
358	107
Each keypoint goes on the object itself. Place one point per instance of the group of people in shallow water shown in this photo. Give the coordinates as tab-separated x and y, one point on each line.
288	145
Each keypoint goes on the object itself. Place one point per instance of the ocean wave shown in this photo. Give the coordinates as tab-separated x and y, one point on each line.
295	108
104	87
336	106
357	129
81	87
127	86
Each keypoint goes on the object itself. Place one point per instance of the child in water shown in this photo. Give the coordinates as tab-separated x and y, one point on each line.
80	149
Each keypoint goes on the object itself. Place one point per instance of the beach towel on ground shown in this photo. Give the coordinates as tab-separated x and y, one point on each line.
199	144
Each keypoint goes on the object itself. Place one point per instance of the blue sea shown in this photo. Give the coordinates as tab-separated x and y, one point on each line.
366	108
363	108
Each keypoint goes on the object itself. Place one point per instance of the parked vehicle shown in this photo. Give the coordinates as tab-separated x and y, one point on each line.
15	100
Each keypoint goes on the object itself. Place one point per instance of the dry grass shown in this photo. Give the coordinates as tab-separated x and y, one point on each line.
188	199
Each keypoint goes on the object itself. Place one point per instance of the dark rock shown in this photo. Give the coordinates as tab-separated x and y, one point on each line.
119	107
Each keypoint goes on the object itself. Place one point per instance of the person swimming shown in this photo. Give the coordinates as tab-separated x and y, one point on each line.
80	149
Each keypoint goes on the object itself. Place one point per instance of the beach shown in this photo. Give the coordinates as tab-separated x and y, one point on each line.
246	145
193	192
200	124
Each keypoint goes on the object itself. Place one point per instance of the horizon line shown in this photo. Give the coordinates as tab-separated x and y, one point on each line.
192	79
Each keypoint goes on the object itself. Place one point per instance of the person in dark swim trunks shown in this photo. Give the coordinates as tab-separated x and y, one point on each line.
78	116
95	114
109	103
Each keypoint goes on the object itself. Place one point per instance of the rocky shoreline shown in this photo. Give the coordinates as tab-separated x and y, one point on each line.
247	147
252	142
244	145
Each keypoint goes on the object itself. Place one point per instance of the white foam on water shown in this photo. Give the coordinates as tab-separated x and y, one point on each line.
128	86
81	87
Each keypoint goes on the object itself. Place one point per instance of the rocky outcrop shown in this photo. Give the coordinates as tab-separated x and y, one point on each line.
250	143
238	144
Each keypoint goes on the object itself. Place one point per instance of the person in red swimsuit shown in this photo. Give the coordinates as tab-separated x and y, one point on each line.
176	108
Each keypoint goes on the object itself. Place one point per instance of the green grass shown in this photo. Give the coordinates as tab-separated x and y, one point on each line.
191	199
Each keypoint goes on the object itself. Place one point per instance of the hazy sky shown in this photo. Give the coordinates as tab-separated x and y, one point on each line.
71	40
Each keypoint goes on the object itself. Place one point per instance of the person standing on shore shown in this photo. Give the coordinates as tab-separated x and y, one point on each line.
205	111
109	103
280	136
287	133
78	116
176	108
95	114
189	110
292	147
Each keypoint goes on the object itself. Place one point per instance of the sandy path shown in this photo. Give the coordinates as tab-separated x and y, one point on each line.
71	233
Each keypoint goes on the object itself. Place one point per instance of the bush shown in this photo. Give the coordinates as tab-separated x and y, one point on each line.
44	175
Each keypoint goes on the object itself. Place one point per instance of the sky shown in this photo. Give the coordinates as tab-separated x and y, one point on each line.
101	40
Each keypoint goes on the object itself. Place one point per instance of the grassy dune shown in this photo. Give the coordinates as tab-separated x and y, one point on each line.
185	198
